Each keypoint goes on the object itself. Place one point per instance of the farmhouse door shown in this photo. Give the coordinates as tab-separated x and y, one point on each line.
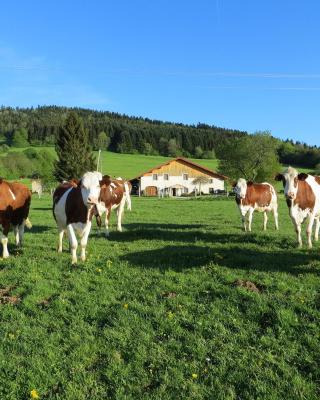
151	191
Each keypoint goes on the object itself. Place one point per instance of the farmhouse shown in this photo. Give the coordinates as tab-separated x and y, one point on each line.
177	177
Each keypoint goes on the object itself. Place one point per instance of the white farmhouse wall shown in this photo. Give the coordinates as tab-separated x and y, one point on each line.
160	183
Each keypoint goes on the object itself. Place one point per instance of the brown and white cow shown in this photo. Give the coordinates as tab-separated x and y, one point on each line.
256	196
302	193
114	197
15	199
73	208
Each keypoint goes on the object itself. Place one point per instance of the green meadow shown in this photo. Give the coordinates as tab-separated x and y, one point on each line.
162	310
126	165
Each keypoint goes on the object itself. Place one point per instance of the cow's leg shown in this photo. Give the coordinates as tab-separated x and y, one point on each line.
276	217
16	234
250	212
265	220
244	222
298	232
84	241
309	231
73	243
316	232
21	232
243	214
4	240
108	212
60	239
120	213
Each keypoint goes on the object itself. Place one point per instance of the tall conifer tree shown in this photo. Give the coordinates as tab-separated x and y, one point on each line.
73	149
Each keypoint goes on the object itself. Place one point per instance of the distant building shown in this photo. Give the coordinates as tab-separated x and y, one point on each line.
177	177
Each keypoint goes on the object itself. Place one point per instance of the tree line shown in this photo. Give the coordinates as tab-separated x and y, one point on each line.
115	132
20	127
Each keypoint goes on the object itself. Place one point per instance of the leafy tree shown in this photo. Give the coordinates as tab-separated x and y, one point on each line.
250	157
73	150
102	142
173	148
198	152
163	146
200	180
4	148
209	154
20	138
147	148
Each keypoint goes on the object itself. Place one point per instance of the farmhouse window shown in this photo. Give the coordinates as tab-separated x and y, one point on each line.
166	177
185	177
210	180
155	177
185	190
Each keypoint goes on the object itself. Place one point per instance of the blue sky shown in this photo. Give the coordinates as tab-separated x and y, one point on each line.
250	65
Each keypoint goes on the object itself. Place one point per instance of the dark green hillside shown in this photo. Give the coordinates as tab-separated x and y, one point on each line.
124	134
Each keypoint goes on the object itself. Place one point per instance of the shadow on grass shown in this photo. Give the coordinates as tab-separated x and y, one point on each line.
154	226
179	258
192	234
39	229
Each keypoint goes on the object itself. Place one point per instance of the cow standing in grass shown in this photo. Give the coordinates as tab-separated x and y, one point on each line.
15	199
114	197
256	196
74	205
302	193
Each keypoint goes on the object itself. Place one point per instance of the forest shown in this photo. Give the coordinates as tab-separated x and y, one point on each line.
20	127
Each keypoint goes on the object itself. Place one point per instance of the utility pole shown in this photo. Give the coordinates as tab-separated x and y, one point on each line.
98	162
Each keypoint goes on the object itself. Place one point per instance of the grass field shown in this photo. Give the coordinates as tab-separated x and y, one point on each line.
129	165
154	312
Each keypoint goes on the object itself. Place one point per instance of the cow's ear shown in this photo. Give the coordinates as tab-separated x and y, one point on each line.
317	179
278	177
249	183
234	184
106	180
74	182
302	176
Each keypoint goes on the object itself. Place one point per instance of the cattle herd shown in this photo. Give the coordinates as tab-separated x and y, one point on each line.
76	202
302	193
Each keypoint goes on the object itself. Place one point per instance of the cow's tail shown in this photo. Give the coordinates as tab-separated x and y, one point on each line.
28	223
128	198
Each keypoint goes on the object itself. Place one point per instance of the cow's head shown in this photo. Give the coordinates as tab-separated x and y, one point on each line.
105	181
90	185
240	188
290	178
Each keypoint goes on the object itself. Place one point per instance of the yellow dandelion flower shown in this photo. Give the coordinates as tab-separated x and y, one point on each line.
126	306
34	394
194	376
99	270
